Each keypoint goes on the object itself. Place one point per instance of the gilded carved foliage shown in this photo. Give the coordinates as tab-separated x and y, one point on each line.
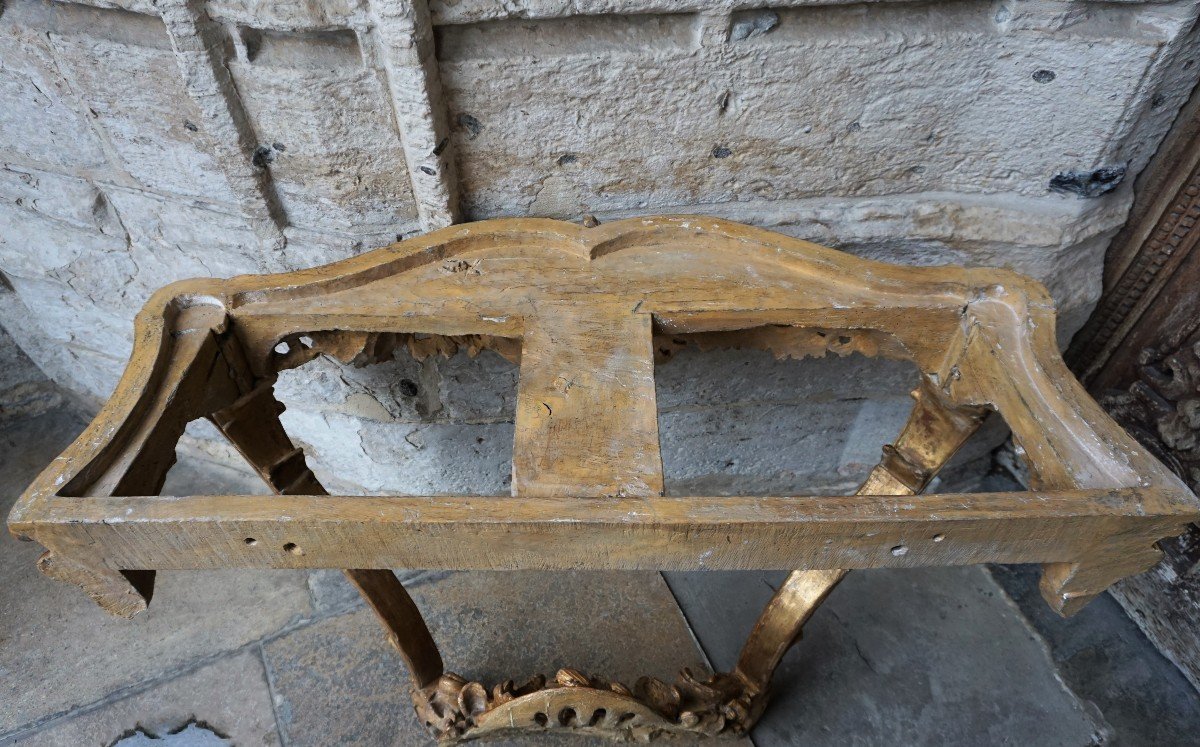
454	709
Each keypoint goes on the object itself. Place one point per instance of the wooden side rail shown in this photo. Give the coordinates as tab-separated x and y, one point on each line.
667	533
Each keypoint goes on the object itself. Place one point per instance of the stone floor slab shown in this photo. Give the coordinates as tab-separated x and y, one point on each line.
1105	659
332	593
912	657
59	651
337	682
225	702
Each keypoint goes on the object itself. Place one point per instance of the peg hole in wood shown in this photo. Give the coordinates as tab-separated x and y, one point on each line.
900	551
566	716
939	537
250	541
597	716
293	548
540	719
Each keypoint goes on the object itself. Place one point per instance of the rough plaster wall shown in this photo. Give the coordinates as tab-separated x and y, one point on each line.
142	142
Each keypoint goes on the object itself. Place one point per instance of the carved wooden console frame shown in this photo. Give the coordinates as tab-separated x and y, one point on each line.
582	308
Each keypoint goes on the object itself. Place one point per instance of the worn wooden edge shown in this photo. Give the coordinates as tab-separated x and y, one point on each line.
615	533
1006	341
947	282
1012	363
1004	300
157	329
157	325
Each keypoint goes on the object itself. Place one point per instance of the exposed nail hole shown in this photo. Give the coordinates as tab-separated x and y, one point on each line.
899	550
472	125
250	541
1088	183
293	548
263	156
939	537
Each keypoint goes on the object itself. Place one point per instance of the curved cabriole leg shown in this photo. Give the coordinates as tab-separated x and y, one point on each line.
252	425
778	628
934	432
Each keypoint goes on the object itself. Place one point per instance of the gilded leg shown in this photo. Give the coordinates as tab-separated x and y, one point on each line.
934	431
252	425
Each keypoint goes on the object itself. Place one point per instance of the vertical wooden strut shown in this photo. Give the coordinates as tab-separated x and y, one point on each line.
252	425
934	431
586	423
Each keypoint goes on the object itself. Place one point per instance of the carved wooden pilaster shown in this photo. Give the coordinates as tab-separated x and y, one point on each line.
1161	408
1139	355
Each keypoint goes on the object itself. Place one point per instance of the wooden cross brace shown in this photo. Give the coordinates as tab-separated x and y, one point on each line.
580	308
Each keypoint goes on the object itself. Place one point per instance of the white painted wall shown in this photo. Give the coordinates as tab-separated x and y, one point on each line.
146	142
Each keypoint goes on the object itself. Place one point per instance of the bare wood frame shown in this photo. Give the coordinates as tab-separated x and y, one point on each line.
585	310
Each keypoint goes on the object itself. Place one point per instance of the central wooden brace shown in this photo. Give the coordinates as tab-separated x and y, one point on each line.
584	310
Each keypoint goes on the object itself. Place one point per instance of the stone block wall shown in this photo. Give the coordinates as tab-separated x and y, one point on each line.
145	141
